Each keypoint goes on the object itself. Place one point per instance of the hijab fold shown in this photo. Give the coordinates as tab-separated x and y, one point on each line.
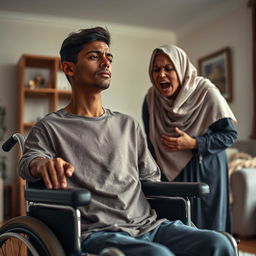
197	105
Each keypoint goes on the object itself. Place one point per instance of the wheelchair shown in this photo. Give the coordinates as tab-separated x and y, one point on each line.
41	233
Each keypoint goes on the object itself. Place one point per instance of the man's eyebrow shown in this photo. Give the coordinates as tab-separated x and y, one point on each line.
110	54
99	52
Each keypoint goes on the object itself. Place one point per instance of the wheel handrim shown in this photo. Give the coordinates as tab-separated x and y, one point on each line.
18	244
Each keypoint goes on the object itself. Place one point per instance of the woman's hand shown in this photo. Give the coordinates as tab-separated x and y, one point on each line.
183	142
52	171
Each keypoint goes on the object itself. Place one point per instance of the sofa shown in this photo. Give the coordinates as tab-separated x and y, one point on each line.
242	171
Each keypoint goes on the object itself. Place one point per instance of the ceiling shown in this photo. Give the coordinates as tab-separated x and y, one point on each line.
158	14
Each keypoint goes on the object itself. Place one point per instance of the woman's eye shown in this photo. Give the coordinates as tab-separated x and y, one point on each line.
169	68
156	70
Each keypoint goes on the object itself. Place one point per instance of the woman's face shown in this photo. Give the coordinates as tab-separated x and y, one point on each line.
164	76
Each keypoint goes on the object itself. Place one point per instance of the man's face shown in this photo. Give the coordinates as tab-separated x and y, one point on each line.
93	67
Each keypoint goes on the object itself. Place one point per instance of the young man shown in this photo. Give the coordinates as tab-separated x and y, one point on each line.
87	146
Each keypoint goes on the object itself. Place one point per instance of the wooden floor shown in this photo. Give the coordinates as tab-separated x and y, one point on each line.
248	245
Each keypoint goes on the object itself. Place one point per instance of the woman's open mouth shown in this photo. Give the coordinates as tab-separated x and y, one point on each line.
165	85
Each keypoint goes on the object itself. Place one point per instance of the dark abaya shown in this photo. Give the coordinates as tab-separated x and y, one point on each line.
209	165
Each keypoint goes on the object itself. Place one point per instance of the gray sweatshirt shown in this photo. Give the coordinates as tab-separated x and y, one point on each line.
110	157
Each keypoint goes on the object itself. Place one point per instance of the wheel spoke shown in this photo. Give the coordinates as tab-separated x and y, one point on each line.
19	247
11	245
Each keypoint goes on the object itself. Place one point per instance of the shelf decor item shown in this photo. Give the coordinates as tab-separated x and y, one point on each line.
217	67
37	82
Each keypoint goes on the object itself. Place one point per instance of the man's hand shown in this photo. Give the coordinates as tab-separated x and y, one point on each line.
52	171
183	142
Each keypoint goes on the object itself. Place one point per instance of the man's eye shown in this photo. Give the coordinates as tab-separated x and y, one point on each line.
110	60
93	57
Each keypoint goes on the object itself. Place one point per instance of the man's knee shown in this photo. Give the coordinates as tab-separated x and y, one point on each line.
147	249
219	244
156	250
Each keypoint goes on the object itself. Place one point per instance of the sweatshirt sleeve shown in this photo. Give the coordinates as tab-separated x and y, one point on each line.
37	144
220	135
145	118
148	169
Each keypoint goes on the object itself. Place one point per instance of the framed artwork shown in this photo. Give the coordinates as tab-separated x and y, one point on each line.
217	67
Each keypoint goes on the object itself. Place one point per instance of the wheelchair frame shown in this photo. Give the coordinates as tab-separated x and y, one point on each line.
76	220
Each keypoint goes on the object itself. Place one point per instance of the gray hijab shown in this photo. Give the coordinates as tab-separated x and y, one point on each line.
197	105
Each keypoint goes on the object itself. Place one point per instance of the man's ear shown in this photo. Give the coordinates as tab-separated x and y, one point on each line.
68	68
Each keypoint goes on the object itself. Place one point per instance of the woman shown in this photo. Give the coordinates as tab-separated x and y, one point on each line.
189	125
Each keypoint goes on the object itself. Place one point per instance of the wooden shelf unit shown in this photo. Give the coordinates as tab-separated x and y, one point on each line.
49	92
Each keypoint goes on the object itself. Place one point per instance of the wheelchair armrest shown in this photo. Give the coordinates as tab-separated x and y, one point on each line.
183	189
69	197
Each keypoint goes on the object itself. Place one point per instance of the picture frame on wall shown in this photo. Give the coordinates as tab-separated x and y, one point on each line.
218	69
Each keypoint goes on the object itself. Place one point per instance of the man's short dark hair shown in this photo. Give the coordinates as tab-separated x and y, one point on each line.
75	42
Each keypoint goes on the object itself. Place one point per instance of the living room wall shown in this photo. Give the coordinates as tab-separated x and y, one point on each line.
234	29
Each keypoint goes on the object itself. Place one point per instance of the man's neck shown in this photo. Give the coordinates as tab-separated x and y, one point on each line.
89	105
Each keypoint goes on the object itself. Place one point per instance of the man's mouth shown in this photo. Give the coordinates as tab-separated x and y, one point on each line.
105	74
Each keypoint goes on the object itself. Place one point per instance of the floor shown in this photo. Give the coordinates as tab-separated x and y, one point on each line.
241	253
247	247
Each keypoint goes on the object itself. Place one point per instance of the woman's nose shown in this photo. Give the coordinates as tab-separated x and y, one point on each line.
162	73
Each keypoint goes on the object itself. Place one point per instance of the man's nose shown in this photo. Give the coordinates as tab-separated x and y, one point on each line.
105	62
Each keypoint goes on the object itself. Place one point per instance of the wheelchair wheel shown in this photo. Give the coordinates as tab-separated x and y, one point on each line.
25	236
